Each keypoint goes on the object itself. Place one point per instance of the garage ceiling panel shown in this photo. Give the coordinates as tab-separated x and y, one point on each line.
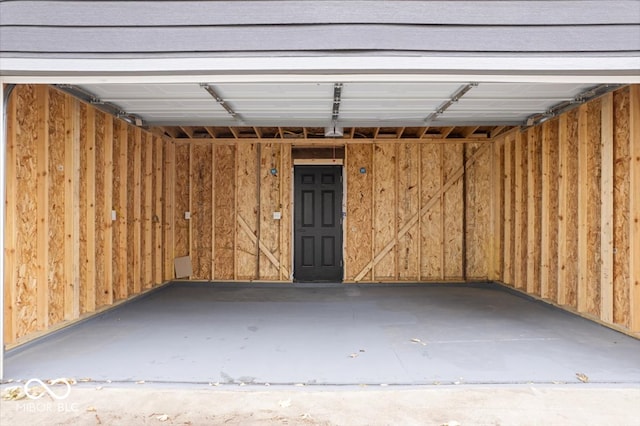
399	103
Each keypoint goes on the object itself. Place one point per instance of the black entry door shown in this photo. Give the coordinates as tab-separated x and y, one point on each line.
318	223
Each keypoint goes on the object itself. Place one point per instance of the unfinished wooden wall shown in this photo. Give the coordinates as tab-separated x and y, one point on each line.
229	193
567	194
69	166
420	212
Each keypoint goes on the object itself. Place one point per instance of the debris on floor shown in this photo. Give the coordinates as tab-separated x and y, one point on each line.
415	340
582	377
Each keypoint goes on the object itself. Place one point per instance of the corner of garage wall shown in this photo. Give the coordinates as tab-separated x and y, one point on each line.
86	220
567	194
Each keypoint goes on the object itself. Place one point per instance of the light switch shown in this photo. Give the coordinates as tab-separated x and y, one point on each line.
187	215
277	215
114	216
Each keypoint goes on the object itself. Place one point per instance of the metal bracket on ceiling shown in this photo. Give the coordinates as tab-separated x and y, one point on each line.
447	104
337	98
107	107
334	130
564	106
221	101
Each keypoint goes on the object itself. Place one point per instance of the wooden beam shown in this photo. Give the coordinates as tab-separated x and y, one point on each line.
72	210
507	276
634	207
108	207
10	230
187	131
496	201
532	241
545	209
157	212
443	257
135	257
169	209
518	220
211	132
147	220
42	203
583	205
122	215
606	208
563	210
90	220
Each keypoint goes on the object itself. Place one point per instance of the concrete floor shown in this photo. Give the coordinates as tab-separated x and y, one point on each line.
333	335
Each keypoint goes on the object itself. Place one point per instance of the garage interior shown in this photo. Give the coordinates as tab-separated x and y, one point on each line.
464	163
99	208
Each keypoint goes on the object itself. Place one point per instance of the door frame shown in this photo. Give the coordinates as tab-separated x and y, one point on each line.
320	162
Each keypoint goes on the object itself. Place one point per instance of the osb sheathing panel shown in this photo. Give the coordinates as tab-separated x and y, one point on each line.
269	203
593	208
26	136
181	227
101	285
247	213
359	209
201	211
84	258
158	212
119	228
509	211
453	213
225	216
552	181
572	209
478	226
384	221
571	214
431	219
130	248
45	183
56	208
621	187
408	176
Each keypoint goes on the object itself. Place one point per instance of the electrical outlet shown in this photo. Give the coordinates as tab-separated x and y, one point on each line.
187	215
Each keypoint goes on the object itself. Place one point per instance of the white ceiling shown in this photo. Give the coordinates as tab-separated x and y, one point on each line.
310	104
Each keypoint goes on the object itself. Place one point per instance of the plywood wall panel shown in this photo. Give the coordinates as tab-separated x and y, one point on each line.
509	210
408	203
269	203
133	200
384	221
593	208
119	247
359	209
100	203
453	213
88	290
621	188
478	204
225	219
168	205
26	134
56	207
10	243
431	228
571	212
181	227
552	181
247	214
146	199
158	212
201	211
